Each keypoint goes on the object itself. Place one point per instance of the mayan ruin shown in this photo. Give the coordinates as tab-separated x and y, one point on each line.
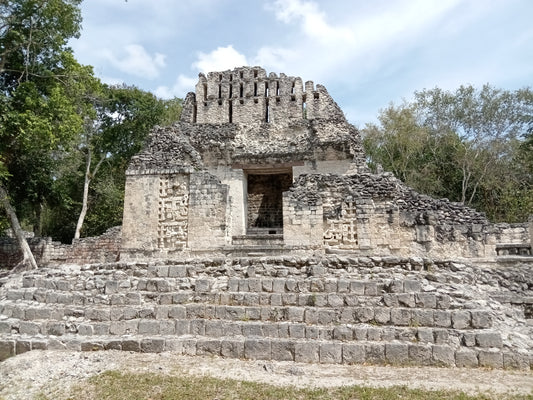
254	229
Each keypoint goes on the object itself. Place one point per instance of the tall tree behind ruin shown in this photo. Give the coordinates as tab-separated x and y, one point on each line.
467	147
91	179
36	115
125	115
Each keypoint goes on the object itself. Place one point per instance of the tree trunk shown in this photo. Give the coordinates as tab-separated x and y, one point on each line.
88	178
83	211
28	261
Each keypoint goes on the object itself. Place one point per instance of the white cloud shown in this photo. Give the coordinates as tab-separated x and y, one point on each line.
183	85
313	21
275	58
220	59
113	81
137	61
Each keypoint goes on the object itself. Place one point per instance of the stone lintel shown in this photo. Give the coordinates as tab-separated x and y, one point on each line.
267	168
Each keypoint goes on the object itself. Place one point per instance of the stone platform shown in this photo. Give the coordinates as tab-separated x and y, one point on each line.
317	309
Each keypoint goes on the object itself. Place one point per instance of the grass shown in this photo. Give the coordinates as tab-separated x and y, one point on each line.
114	385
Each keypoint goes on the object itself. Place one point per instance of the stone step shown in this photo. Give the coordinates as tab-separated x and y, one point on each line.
272	329
258	348
326	315
290	284
236	297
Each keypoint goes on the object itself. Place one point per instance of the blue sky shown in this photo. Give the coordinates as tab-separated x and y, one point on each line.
366	53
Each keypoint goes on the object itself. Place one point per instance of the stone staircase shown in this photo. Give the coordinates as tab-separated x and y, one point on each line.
324	309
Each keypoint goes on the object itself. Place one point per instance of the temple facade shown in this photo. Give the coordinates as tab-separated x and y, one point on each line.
263	164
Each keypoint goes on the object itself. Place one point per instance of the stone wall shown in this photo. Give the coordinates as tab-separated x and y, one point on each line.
104	248
247	95
244	123
378	215
208	212
319	309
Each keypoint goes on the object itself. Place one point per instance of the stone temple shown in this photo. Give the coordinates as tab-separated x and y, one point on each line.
267	164
253	229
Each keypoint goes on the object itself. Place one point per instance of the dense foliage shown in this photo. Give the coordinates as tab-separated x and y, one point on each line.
472	146
66	138
57	119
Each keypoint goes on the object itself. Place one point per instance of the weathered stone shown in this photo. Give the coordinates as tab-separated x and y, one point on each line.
357	287
297	331
397	353
131	345
443	356
468	339
252	329
422	317
481	319
466	358
29	328
343	333
375	353
7	349
330	353
460	319
382	315
148	327
87	330
5	327
489	339
189	346
420	354
516	361
307	352
426	300
373	333
232	348
326	317
364	314
197	327
152	345
257	349
283	350
490	359
114	344
441	336
39	344
55	328
22	346
401	316
174	345
208	347
177	312
85	346
425	335
335	300
411	286
353	353
359	332
442	318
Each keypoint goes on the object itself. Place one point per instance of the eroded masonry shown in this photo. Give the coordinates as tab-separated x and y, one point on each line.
253	229
266	163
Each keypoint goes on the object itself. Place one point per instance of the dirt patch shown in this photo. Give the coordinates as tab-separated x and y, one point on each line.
53	372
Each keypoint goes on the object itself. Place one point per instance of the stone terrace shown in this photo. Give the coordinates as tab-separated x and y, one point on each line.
323	309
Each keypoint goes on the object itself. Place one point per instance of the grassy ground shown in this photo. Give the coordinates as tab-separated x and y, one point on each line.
114	385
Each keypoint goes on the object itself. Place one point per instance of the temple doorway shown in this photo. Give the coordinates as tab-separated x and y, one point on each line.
265	202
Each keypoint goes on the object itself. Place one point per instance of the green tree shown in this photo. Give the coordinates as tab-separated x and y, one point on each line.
465	145
400	143
36	115
123	116
486	121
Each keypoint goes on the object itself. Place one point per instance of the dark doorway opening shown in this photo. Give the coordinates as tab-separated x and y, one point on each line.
265	202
